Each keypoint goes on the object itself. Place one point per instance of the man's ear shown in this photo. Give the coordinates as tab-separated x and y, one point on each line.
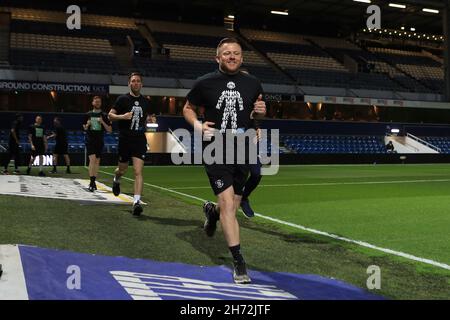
217	59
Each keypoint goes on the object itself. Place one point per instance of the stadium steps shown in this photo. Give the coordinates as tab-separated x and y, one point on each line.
124	56
432	56
418	84
406	144
327	51
269	61
146	32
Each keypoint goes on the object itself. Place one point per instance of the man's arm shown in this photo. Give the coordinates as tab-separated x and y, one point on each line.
190	114
14	135
45	143
113	116
30	140
87	125
105	125
259	108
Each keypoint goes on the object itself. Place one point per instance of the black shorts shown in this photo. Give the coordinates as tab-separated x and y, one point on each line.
39	149
61	148
132	147
222	176
95	146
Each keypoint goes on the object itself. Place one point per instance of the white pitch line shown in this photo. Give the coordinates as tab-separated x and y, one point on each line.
329	184
326	234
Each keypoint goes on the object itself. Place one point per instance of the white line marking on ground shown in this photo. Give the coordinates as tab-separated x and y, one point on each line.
326	234
328	184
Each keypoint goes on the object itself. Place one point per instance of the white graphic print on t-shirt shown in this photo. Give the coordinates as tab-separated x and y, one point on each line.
137	115
230	96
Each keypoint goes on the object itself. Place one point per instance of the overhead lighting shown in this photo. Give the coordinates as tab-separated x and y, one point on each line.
230	16
395	131
430	10
403	28
363	1
283	13
413	29
396	5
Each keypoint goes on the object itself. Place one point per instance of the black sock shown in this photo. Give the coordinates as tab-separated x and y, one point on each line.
92	180
236	253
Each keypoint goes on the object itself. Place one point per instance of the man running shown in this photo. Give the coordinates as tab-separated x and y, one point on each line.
231	100
14	145
61	146
38	142
131	110
97	123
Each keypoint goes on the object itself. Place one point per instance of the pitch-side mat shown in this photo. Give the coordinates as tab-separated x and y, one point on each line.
39	274
59	188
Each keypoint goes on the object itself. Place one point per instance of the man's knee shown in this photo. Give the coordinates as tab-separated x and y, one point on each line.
227	203
138	173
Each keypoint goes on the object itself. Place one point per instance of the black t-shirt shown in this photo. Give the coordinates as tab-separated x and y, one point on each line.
228	99
96	129
16	125
37	134
61	135
140	107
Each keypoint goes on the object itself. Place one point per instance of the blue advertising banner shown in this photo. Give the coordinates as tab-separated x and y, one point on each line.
62	275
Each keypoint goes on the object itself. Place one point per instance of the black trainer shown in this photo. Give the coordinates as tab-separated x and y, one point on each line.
41	174
68	171
5	171
211	218
53	171
248	211
137	209
240	275
116	188
28	170
92	187
17	171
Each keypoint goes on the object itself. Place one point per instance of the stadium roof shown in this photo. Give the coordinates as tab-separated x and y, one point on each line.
344	16
348	15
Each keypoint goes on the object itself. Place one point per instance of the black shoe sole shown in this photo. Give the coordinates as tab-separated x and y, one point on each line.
116	189
137	211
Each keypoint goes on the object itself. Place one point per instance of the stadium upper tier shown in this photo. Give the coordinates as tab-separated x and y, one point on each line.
41	41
